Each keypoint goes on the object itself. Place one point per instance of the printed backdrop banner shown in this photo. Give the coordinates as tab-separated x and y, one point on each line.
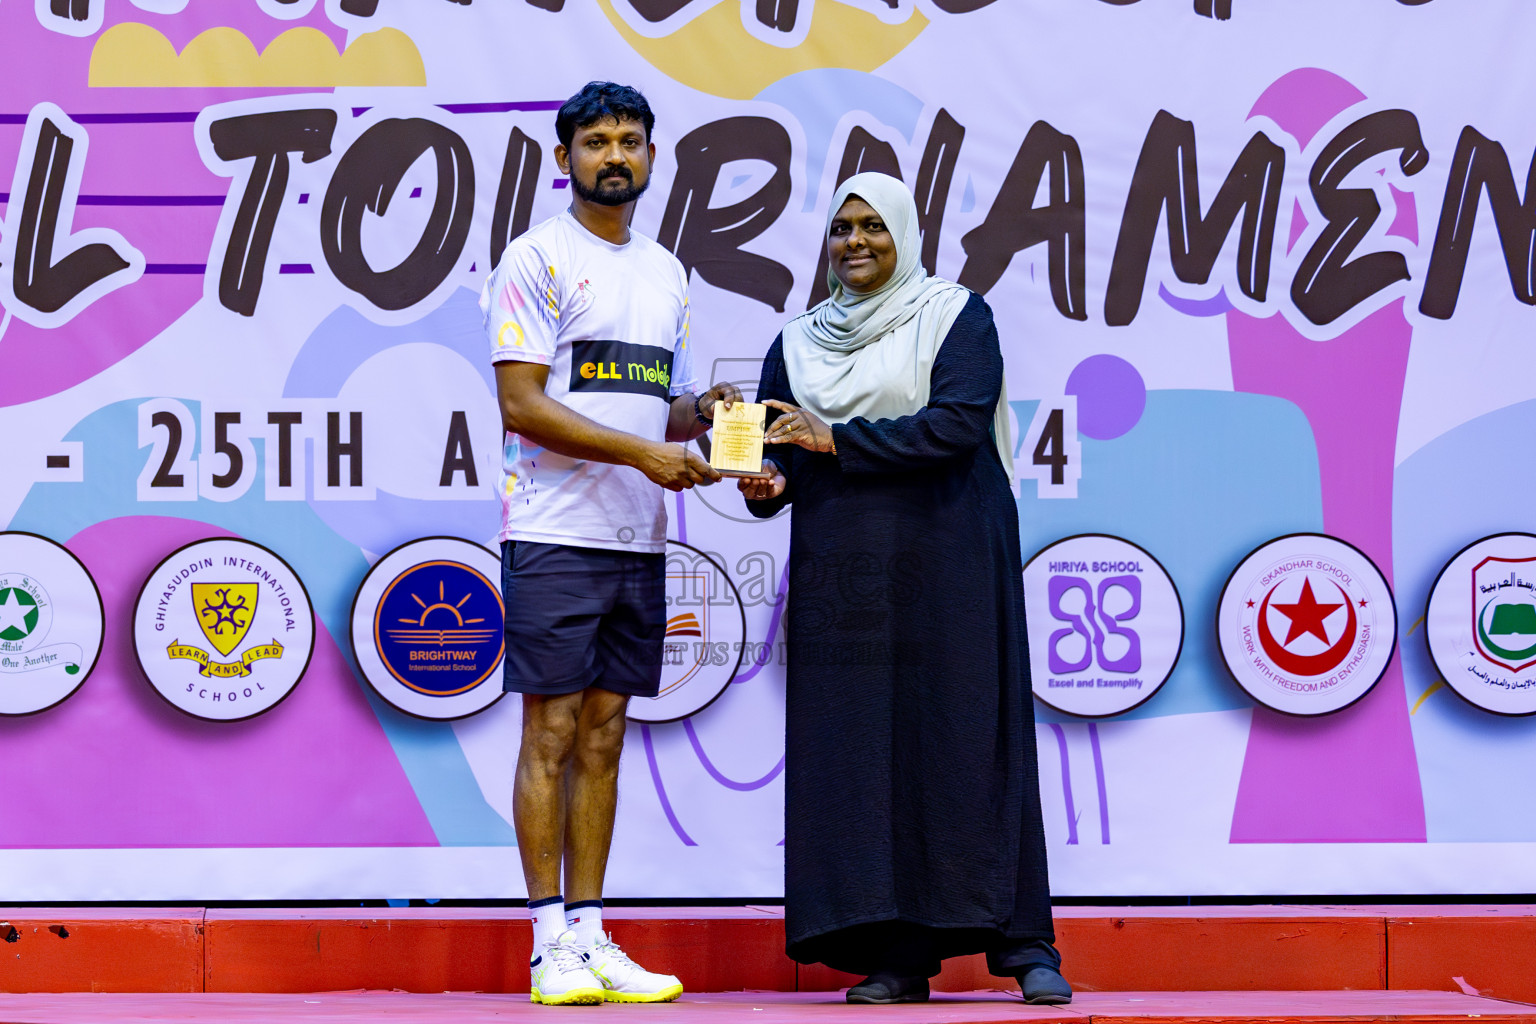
1259	269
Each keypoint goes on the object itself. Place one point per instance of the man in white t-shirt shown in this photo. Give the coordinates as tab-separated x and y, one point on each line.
588	325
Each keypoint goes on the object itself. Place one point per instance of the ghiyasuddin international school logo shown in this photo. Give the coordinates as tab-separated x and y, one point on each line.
50	623
225	612
1481	623
223	629
429	628
1307	624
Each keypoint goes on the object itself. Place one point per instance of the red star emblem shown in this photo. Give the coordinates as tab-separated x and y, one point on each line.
1306	614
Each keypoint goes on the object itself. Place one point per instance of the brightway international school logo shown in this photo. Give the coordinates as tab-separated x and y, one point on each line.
1481	623
1112	629
705	643
429	628
223	629
51	623
1306	624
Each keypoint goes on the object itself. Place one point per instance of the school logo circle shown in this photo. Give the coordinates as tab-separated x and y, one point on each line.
705	642
429	628
51	623
1306	624
1481	623
223	629
1105	627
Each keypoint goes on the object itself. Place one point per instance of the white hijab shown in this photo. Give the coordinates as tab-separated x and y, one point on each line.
871	354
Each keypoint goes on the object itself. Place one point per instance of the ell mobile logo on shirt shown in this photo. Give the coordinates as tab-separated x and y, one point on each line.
622	367
223	629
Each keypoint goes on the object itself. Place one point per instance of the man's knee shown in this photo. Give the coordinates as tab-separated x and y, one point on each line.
600	732
549	733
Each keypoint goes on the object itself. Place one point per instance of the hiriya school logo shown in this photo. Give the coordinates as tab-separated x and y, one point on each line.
705	640
223	629
1112	628
1481	623
1306	624
51	623
429	628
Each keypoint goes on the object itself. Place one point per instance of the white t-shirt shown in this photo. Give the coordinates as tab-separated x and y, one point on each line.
611	323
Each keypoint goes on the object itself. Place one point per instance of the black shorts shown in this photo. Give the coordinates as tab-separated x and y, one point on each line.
580	617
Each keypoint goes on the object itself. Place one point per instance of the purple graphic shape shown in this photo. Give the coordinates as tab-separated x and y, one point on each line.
500	108
117	767
714	773
295	268
1098	770
1111	396
1304	100
1406	223
1066	784
661	789
1215	306
140	145
1299	224
1352	776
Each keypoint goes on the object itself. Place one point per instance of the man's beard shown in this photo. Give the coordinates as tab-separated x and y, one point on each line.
627	193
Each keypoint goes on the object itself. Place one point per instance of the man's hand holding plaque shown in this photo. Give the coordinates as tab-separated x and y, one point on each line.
737	446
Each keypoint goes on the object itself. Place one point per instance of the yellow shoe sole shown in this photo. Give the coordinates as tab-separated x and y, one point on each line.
575	997
665	995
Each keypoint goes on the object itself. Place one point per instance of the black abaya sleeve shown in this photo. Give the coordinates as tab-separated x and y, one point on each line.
967	378
774	383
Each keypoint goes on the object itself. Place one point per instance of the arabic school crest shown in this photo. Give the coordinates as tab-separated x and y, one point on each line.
1307	624
1481	623
1504	611
223	629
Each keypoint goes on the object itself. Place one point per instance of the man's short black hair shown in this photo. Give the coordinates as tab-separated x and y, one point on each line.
599	100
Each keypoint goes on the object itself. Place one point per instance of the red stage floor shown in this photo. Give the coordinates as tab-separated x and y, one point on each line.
759	1008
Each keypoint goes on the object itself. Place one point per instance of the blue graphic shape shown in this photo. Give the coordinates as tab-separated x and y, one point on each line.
330	567
1444	498
822	97
440	628
340	344
346	340
1202	479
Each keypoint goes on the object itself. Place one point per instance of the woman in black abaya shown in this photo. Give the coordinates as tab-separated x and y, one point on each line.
912	807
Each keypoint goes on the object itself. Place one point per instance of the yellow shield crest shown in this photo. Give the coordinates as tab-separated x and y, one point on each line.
225	612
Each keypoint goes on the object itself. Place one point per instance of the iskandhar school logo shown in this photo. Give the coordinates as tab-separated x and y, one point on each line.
429	628
1481	623
223	629
51	623
1306	624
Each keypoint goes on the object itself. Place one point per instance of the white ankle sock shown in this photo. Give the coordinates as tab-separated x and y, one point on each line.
586	920
548	922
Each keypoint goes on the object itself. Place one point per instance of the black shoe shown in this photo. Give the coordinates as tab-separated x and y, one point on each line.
1044	986
885	987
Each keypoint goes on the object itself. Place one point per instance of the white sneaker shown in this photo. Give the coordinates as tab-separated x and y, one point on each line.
625	981
561	976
